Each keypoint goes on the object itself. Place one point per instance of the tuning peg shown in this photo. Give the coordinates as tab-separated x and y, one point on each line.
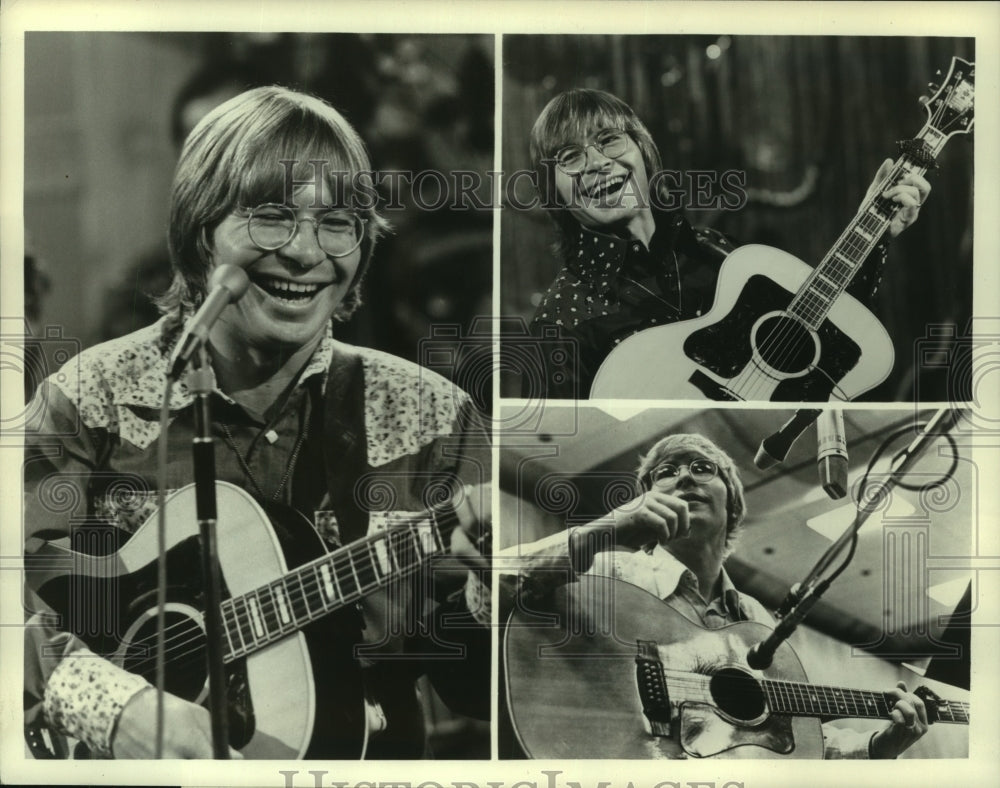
933	87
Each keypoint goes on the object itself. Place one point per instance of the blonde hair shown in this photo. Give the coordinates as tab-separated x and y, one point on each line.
672	445
237	156
570	117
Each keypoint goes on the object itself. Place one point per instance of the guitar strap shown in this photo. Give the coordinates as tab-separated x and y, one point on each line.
345	454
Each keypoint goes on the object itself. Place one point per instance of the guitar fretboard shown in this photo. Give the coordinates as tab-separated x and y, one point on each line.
834	273
810	700
329	583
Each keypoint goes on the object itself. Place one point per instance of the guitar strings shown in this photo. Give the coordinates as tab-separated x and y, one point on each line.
784	695
780	343
310	585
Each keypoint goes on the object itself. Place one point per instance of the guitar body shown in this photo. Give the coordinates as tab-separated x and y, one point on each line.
747	347
301	696
572	688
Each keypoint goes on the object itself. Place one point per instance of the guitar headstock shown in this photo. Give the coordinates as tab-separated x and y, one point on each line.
951	109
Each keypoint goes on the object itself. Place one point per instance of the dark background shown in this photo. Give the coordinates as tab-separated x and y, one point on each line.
103	128
809	119
104	122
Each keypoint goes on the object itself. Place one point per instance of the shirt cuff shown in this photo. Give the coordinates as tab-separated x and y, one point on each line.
85	696
846	743
477	599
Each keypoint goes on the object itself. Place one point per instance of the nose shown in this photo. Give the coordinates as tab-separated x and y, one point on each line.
303	247
595	160
684	477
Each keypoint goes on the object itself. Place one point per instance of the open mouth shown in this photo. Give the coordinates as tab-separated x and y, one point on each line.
606	189
287	291
693	498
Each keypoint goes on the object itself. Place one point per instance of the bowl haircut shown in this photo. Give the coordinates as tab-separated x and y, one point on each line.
573	117
674	445
248	151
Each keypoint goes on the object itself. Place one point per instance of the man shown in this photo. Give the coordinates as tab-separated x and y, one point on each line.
672	541
629	264
347	436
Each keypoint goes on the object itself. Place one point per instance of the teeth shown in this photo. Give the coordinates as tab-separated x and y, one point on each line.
289	287
605	186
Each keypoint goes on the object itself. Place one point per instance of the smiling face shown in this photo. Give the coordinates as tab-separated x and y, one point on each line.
607	191
293	291
609	195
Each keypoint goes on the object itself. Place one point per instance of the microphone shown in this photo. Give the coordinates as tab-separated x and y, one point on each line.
831	453
774	448
227	285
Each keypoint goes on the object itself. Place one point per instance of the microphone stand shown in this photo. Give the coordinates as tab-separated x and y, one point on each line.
203	453
807	593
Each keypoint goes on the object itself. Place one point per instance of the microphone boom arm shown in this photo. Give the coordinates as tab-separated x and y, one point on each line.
808	592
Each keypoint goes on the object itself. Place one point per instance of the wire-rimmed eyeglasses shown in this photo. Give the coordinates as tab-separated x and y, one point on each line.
700	470
572	159
338	231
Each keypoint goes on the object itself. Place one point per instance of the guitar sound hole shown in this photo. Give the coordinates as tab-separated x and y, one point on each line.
186	674
737	694
784	344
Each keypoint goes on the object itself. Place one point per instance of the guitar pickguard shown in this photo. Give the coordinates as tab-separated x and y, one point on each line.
704	733
725	349
272	698
122	627
737	714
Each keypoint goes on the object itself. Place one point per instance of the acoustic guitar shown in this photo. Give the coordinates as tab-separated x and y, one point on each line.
607	670
779	329
290	615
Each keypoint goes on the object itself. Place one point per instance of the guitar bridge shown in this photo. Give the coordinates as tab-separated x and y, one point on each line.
710	388
652	687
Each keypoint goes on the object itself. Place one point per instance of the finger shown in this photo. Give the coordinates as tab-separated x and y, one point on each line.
908	712
884	171
920	183
675	511
467	552
904	195
683	520
659	520
916	703
880	178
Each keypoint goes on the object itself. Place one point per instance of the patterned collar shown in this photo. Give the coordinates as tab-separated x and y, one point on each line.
598	258
146	388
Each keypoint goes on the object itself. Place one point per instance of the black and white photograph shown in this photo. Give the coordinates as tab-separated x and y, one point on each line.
499	394
643	555
211	211
727	217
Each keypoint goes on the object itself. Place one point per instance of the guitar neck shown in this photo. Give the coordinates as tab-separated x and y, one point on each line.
332	582
809	700
838	268
949	113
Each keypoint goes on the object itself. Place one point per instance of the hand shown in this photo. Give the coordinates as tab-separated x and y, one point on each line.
654	516
471	540
910	193
909	723
187	729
